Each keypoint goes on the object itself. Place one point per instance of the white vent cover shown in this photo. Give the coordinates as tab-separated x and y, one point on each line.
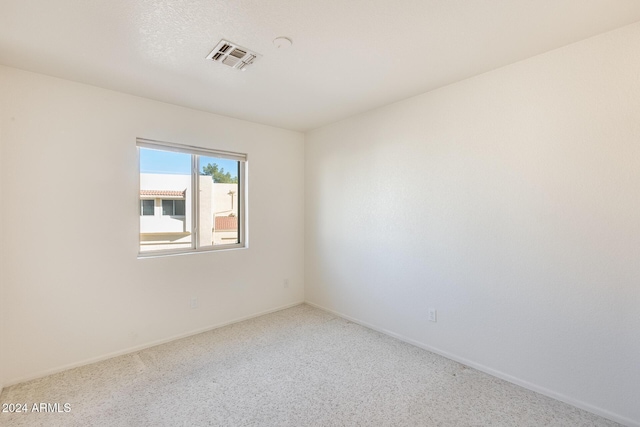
232	55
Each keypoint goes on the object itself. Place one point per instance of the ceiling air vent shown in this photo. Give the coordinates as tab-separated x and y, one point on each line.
233	56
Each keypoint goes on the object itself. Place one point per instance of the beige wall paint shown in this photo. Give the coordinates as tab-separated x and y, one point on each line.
69	167
510	202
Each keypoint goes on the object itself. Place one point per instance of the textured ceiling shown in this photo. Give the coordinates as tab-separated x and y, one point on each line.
348	56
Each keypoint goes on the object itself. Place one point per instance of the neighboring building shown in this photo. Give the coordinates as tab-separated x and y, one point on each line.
166	212
225	227
225	230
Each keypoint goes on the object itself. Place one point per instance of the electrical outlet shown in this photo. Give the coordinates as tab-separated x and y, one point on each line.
433	315
285	283
194	302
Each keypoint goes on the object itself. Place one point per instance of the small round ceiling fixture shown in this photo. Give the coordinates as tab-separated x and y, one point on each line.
282	42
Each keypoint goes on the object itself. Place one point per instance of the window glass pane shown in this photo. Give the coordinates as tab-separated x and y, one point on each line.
147	207
218	210
167	207
178	208
166	176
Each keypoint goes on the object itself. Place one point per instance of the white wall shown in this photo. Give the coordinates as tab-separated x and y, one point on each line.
69	148
3	298
511	203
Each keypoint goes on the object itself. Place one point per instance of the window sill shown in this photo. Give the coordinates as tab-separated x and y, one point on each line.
178	252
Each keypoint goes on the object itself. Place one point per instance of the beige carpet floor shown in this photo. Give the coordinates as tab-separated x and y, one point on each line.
296	367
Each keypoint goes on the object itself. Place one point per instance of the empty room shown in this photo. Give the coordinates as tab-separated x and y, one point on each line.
320	213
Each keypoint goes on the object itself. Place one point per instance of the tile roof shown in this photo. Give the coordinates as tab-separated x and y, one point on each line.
161	193
226	223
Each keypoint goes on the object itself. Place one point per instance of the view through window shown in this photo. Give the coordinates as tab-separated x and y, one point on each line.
190	198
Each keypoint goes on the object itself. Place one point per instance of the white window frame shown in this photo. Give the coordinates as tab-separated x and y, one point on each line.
195	152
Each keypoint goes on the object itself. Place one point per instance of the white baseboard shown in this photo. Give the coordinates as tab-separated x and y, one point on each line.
134	349
522	383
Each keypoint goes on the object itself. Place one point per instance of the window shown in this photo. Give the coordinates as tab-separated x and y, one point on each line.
191	199
173	207
146	207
